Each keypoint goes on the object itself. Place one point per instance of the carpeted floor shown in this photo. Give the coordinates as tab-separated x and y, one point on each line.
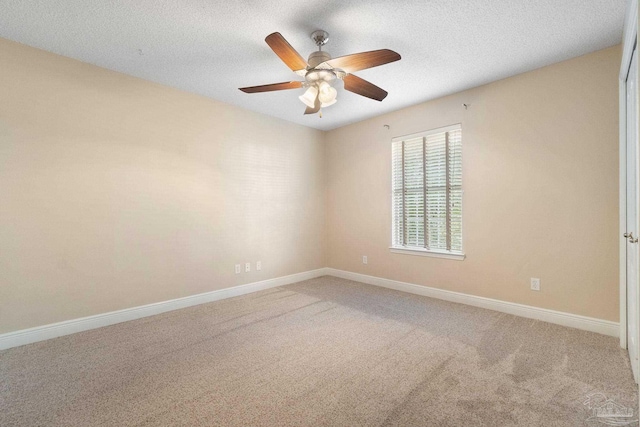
321	352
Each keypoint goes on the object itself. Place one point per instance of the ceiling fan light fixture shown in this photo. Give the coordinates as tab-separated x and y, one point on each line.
320	75
327	94
309	97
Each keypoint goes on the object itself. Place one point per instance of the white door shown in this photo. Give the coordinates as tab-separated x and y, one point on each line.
633	230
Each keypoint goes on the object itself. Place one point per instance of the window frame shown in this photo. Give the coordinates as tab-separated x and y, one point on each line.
413	250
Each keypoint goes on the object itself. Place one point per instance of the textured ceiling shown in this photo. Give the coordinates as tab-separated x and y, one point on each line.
214	47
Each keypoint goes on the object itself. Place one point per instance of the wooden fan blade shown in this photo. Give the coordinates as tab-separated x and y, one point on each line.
362	87
272	87
316	106
288	54
363	60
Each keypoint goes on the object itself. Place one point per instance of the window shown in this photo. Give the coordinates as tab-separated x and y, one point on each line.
427	193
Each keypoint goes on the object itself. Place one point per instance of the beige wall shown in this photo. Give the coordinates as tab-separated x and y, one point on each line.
116	192
540	159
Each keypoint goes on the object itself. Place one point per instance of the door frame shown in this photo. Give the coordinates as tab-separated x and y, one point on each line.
629	40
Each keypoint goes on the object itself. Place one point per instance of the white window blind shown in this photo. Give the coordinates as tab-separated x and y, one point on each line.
427	191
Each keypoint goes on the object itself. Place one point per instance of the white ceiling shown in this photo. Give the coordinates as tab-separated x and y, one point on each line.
214	47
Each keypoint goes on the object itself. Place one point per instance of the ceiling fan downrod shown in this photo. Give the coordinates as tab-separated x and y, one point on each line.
316	58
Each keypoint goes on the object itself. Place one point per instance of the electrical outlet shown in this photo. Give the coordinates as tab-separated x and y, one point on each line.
364	259
259	265
247	267
535	284
237	268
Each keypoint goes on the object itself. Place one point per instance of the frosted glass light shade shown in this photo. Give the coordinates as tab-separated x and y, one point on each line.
327	94
309	97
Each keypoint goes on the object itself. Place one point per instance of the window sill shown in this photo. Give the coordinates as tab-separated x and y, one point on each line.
425	252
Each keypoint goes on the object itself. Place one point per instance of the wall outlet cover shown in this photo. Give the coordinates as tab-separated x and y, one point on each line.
535	284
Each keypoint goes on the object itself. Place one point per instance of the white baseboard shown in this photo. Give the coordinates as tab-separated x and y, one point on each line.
41	333
54	330
604	327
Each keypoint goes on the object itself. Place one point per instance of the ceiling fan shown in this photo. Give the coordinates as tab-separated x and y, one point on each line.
320	70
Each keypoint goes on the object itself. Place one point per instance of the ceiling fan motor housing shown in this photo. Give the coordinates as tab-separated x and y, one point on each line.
316	75
317	58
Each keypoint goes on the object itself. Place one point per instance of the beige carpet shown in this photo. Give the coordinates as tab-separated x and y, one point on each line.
321	352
